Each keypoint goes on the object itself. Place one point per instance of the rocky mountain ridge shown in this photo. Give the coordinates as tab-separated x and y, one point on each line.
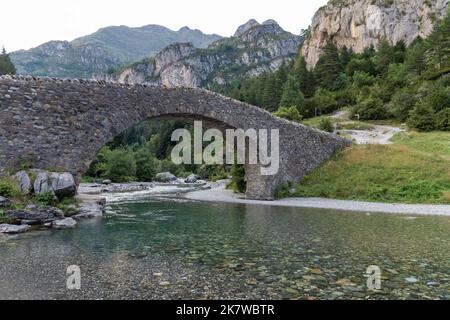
107	48
254	49
358	24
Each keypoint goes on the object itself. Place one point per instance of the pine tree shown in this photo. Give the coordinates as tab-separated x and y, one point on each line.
415	57
6	65
438	44
345	55
328	67
383	57
292	96
305	78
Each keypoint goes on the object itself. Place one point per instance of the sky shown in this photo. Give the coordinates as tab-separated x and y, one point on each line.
28	23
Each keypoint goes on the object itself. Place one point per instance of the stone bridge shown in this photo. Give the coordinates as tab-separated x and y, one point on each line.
61	125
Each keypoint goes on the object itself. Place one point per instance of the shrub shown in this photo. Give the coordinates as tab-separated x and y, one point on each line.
422	117
121	165
325	101
291	114
238	181
362	79
401	104
443	120
8	188
45	198
326	125
370	108
146	165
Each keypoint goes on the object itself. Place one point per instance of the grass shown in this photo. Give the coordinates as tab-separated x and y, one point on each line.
415	169
340	124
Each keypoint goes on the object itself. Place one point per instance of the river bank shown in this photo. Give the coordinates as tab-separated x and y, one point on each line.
220	194
216	192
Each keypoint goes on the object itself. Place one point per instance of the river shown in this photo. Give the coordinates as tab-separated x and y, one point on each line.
162	248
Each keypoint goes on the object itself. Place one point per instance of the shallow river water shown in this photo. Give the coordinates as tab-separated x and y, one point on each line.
174	249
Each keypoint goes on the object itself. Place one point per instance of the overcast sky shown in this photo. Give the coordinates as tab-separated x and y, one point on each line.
27	23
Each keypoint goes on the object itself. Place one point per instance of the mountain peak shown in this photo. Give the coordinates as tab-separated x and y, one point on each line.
270	22
184	29
245	27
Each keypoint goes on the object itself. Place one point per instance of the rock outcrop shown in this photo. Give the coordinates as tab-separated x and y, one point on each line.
256	48
358	24
34	215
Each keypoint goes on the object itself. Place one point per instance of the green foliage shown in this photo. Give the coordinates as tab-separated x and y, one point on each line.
325	100
328	69
238	182
121	165
443	120
438	44
401	104
422	117
363	79
8	188
305	78
326	125
3	218
45	198
146	164
370	108
292	95
6	65
291	114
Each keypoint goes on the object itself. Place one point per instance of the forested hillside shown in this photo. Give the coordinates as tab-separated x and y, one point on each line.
394	82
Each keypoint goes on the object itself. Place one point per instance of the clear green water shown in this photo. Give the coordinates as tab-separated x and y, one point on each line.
190	250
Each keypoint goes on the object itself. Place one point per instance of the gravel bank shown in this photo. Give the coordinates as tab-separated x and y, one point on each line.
220	194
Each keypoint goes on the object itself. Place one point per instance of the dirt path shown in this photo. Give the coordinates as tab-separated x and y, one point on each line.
378	134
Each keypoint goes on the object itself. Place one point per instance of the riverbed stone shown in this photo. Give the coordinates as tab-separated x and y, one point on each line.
64	223
165	177
13	229
91	209
192	179
4	202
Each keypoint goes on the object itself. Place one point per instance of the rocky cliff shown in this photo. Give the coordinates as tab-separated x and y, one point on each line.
361	23
107	48
254	49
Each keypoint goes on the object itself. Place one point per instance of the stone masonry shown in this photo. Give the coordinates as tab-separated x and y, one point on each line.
61	125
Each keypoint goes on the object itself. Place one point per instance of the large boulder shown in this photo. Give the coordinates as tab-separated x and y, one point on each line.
42	183
64	223
23	182
165	177
13	229
4	202
35	215
63	184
